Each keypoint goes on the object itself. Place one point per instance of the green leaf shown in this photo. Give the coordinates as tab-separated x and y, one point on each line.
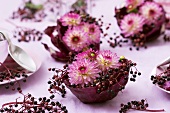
79	3
32	6
133	11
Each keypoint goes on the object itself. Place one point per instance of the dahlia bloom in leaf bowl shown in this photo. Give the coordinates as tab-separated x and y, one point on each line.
141	21
75	32
94	76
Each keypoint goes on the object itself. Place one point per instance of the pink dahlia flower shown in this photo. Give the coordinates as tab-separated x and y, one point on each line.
106	59
132	4
76	39
131	24
70	19
93	32
151	11
89	54
74	35
83	72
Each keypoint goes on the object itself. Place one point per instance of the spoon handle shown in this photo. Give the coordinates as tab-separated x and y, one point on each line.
2	37
6	37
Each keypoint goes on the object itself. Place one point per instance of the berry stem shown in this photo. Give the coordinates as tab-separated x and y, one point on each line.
6	104
161	110
149	110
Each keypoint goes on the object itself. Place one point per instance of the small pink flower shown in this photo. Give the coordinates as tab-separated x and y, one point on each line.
131	24
151	11
106	59
132	4
89	54
76	39
83	72
70	19
93	31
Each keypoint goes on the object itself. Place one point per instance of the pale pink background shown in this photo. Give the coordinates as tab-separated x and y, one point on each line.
146	60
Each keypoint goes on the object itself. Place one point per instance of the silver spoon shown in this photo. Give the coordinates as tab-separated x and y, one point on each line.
19	55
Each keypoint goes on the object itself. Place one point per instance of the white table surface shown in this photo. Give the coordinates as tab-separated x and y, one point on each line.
146	60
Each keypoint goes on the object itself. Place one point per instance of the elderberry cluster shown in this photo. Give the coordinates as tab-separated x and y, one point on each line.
27	34
32	105
138	105
118	41
166	38
37	12
160	80
134	74
141	105
56	83
11	75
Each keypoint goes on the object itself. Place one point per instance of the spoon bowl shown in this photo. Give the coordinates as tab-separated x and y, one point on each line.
19	55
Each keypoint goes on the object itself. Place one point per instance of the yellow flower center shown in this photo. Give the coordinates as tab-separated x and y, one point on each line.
105	62
73	22
92	54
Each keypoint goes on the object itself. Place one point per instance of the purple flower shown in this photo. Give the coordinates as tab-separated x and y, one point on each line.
106	59
70	19
131	24
83	71
76	39
151	11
